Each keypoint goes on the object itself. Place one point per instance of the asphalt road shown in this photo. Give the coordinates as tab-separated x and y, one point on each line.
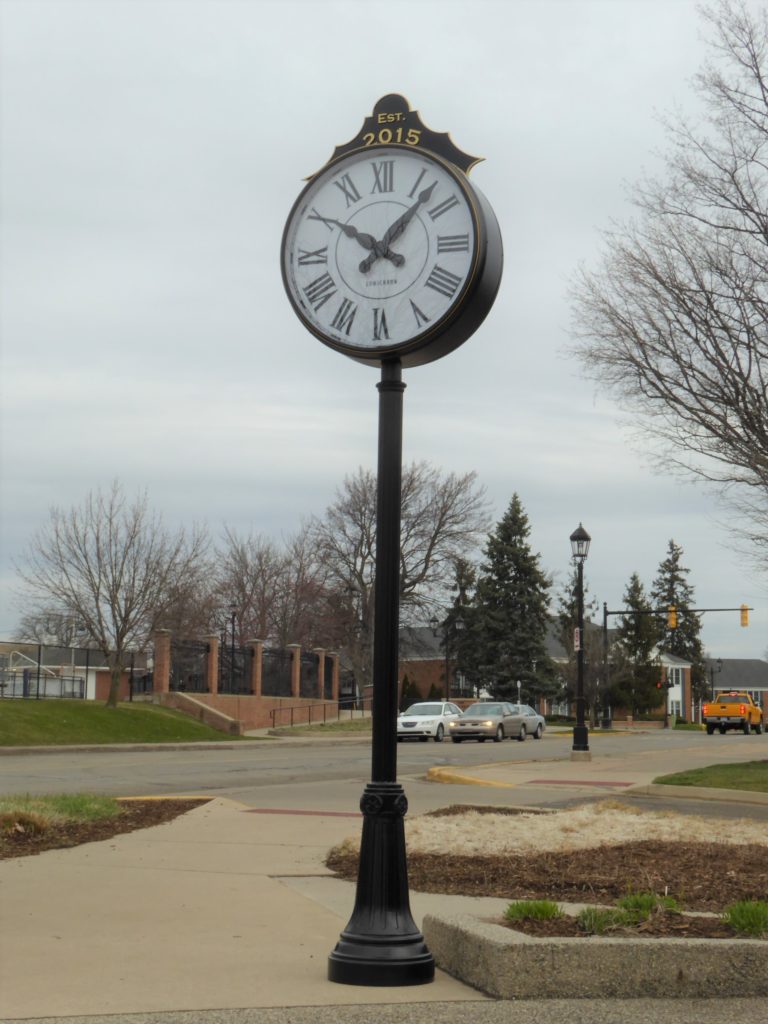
331	774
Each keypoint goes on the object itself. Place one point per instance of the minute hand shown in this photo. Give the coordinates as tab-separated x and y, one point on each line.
396	229
402	222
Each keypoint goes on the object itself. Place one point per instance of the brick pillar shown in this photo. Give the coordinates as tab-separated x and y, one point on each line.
295	650
256	647
335	678
212	675
320	652
161	671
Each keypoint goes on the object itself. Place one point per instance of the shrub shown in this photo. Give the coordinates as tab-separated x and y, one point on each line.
748	917
646	902
533	910
597	921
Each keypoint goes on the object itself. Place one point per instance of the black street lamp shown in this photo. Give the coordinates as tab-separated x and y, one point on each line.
712	673
580	540
458	624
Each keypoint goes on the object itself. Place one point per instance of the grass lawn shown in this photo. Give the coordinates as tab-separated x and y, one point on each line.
65	807
35	723
751	775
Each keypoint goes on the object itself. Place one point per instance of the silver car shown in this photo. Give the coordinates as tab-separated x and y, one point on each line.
421	721
488	720
531	722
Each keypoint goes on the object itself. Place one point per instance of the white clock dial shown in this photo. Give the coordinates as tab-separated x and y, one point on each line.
381	249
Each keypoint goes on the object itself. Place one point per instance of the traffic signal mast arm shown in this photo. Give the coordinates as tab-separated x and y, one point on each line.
665	611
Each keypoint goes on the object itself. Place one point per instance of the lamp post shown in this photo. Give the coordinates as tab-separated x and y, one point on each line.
719	664
580	540
458	624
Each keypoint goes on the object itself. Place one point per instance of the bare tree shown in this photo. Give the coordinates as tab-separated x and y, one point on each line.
675	320
276	591
302	611
114	567
249	576
443	518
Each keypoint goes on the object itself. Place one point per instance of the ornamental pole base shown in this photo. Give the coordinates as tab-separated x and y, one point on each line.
381	945
580	741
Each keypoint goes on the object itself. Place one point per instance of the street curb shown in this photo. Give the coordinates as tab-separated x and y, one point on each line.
741	796
507	964
251	743
448	776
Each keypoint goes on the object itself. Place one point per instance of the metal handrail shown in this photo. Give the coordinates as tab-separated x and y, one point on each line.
341	712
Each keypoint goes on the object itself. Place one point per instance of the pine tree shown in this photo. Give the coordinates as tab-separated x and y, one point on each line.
636	671
671	587
511	612
461	622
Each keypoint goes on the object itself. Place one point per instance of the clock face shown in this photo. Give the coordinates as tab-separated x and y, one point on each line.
381	250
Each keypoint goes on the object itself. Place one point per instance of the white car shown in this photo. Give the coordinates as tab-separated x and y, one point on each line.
431	718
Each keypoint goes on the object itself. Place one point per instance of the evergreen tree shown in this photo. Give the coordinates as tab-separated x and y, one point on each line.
566	621
461	622
511	612
636	670
671	587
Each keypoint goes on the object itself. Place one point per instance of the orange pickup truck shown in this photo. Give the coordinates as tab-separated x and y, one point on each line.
733	710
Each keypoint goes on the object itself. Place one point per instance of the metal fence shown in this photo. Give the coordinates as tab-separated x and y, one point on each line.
276	673
328	678
29	685
189	666
309	665
235	669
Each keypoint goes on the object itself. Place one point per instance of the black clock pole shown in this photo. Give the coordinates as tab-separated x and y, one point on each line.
381	944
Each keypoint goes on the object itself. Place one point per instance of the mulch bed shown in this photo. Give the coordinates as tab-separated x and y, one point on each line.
601	876
135	814
686	871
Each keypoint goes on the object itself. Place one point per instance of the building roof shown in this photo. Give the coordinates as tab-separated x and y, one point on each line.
419	643
738	673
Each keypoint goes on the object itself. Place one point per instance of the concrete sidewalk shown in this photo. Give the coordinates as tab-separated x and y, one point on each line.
220	908
229	909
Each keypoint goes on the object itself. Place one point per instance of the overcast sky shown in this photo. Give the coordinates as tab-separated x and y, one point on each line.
151	154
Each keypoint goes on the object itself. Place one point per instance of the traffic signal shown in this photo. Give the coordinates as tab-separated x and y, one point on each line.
744	615
672	617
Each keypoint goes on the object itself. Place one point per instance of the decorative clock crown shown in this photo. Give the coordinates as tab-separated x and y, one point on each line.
393	120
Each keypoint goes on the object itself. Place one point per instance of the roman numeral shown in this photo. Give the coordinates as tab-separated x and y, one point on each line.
441	208
421	318
320	290
318	216
453	243
345	314
307	257
443	281
347	186
416	185
380	329
384	176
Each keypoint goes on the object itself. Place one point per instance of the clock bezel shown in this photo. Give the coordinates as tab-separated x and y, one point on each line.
466	311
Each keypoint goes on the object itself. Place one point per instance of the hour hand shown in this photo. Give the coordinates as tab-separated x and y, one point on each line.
378	250
367	241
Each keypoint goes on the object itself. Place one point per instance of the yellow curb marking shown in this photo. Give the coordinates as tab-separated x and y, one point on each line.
447	776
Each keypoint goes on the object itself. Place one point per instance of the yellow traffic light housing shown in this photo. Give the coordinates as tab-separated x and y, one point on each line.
672	617
744	615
